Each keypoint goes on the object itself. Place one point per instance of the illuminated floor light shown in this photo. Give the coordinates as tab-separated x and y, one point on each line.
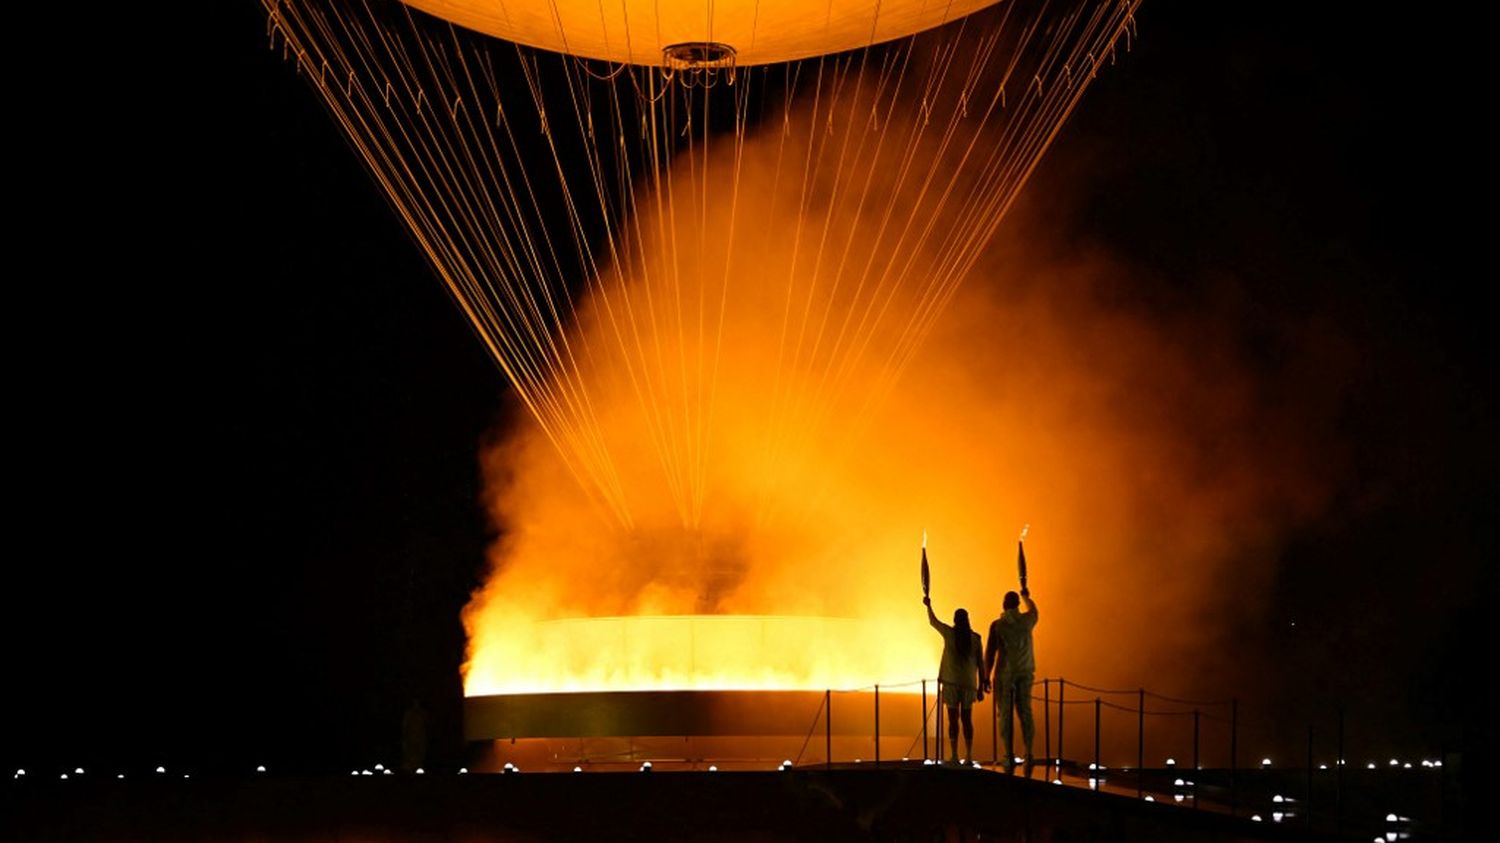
1395	763
19	773
1150	798
1177	797
1276	817
1277	798
1171	762
1370	766
420	771
161	769
1265	762
713	768
1256	817
646	767
1406	766
380	766
926	762
186	776
119	775
786	765
575	769
1437	763
353	772
366	773
1178	782
77	771
261	768
64	776
1390	818
463	770
1057	781
1322	766
389	772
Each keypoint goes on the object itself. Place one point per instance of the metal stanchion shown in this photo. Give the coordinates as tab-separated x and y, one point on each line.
925	756
828	727
1140	743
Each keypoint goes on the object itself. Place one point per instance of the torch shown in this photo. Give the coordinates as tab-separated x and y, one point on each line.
926	576
1021	557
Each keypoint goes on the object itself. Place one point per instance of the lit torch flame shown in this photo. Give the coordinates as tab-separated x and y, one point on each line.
1021	557
1024	530
926	573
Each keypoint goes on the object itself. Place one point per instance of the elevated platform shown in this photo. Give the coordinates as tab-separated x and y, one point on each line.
828	806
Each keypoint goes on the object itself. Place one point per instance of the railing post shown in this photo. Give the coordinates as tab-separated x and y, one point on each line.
828	728
925	756
1046	719
1140	743
1062	685
1196	767
877	724
1097	777
938	705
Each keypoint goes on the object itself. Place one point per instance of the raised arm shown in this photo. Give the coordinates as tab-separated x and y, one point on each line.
931	618
1030	605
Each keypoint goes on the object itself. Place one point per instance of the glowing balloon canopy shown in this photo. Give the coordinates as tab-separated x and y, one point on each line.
636	203
757	31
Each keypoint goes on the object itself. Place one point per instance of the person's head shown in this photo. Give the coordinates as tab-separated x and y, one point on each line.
1012	600
960	618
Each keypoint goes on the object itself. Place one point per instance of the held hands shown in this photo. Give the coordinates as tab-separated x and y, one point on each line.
926	601
1025	592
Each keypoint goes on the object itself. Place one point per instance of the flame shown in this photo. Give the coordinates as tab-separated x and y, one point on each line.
694	652
1024	530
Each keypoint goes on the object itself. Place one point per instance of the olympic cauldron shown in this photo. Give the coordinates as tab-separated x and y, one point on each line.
699	692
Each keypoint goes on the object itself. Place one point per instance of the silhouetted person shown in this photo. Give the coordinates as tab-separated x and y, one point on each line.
413	737
960	675
1010	659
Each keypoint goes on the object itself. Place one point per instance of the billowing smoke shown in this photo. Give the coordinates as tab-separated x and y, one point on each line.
783	423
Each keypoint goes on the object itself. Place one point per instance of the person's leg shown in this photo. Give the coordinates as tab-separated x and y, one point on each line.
1023	713
953	733
968	720
1007	708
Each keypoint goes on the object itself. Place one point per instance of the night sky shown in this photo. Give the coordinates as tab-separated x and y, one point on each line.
245	476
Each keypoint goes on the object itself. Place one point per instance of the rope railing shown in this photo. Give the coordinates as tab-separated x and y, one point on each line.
1238	791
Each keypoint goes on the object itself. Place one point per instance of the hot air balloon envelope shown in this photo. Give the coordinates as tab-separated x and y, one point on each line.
637	31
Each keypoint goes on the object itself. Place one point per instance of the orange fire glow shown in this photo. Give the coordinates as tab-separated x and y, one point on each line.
777	461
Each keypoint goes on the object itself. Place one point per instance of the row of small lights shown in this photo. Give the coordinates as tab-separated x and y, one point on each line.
381	769
1094	782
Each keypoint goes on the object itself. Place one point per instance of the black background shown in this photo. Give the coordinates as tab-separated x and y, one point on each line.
245	417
